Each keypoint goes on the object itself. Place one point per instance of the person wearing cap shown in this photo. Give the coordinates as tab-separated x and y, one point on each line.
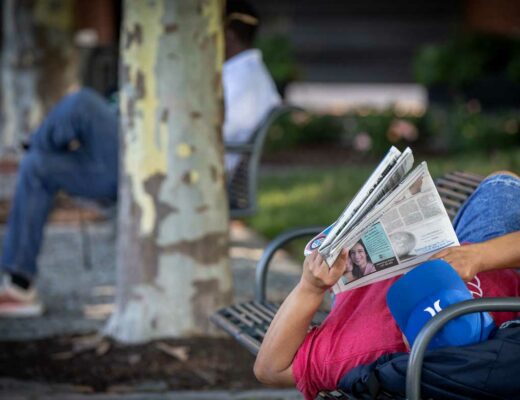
360	327
76	150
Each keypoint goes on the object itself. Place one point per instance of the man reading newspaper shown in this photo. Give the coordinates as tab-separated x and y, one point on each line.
360	328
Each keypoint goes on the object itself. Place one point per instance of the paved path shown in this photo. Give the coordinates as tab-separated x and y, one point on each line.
79	300
11	389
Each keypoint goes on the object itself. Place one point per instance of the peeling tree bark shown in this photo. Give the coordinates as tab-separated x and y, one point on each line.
36	64
173	264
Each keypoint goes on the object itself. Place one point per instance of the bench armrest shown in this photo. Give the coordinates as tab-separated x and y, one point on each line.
414	369
277	243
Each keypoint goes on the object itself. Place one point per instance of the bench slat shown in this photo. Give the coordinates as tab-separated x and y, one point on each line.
240	316
463	183
264	308
247	313
451	203
451	213
468	176
447	193
455	186
256	310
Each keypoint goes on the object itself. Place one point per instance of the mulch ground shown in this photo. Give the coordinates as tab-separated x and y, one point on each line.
101	365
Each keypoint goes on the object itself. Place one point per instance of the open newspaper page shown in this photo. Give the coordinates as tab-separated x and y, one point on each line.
387	184
330	235
405	229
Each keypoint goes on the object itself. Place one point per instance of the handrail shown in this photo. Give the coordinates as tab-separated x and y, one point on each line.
272	247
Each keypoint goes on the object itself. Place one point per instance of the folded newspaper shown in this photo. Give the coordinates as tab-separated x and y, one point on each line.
395	222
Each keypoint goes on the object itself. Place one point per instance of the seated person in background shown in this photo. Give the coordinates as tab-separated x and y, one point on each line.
249	90
360	328
76	150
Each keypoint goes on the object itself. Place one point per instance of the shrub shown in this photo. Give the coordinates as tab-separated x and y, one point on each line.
462	127
466	59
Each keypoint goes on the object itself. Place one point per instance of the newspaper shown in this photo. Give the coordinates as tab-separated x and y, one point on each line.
395	222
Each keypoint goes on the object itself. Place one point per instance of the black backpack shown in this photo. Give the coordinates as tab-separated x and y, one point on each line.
487	370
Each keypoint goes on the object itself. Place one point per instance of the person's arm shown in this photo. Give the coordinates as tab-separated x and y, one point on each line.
286	333
499	253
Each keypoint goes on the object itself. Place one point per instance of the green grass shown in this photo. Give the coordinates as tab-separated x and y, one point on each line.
310	196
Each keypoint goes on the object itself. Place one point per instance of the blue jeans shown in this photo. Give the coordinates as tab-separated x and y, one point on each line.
90	172
492	210
40	176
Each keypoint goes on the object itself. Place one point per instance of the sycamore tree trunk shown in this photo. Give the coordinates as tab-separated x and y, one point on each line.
172	252
36	64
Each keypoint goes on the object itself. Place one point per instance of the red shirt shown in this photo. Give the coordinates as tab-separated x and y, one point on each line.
360	329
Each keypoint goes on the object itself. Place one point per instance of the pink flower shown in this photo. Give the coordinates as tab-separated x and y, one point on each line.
401	129
362	142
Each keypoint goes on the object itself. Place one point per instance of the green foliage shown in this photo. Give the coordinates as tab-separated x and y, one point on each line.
381	128
385	128
278	55
303	196
462	127
303	128
466	59
513	67
449	64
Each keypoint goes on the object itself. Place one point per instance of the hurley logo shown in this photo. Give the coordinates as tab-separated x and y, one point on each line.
474	287
435	309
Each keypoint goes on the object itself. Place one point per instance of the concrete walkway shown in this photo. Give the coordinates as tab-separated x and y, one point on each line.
79	299
11	389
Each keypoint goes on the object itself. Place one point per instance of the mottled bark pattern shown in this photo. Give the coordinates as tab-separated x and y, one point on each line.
207	297
173	264
209	248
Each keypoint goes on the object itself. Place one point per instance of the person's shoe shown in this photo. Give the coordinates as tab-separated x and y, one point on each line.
18	302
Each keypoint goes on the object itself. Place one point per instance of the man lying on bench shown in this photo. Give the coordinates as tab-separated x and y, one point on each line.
360	327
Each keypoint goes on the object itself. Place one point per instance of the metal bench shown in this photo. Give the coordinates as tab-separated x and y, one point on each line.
248	322
242	187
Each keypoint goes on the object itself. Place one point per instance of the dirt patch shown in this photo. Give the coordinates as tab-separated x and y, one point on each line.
183	364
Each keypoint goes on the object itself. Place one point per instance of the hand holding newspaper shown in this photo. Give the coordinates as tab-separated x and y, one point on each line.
395	222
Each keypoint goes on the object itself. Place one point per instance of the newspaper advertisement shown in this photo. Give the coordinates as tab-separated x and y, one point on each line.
409	226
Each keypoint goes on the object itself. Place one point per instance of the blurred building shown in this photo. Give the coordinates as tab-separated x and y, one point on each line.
351	52
346	52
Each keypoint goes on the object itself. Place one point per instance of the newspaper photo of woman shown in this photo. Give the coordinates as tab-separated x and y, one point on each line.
361	262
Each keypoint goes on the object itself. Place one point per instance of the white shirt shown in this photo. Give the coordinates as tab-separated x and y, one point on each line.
249	94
